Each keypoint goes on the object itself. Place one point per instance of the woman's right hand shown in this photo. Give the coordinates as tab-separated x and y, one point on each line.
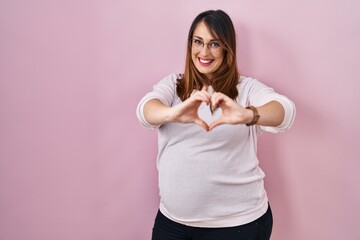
187	111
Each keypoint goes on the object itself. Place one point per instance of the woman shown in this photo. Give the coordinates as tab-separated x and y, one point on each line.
208	121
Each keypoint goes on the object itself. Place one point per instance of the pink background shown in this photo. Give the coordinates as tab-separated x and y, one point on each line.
75	163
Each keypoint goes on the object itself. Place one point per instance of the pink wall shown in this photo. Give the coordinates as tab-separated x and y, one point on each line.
76	165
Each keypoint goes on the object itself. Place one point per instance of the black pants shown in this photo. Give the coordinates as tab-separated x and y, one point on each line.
166	229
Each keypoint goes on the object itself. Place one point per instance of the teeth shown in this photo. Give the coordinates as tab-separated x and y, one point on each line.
205	61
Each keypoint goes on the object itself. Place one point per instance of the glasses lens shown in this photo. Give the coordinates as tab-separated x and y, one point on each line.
197	43
213	45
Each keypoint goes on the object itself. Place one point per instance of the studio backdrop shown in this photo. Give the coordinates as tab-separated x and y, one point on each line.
75	164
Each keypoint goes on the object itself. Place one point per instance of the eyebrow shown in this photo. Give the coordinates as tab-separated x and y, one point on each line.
211	40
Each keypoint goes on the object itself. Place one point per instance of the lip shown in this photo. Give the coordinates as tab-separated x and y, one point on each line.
205	61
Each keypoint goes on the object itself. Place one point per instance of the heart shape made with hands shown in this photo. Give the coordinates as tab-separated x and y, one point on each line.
206	115
204	110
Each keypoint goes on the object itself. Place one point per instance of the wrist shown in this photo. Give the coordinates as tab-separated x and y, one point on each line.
253	115
169	115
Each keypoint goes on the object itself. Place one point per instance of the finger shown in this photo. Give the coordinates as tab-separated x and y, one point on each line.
202	96
210	90
206	92
216	99
202	124
216	123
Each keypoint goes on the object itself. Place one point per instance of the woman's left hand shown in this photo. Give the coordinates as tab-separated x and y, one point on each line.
232	113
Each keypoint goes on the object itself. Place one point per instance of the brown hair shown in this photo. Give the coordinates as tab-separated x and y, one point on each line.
226	77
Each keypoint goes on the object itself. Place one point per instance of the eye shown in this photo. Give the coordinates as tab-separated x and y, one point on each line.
198	42
214	44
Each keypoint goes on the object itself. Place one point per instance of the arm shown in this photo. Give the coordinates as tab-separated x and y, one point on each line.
157	113
271	113
263	98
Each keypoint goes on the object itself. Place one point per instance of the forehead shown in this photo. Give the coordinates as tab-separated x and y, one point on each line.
202	31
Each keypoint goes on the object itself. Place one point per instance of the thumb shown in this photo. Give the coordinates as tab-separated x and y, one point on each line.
201	123
216	123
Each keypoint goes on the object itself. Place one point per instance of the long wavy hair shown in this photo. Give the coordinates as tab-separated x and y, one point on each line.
226	77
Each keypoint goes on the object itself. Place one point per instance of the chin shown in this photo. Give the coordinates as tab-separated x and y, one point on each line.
207	72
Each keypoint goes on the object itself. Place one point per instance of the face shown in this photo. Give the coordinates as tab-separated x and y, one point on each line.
206	52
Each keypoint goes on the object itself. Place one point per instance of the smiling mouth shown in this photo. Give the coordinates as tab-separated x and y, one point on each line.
205	62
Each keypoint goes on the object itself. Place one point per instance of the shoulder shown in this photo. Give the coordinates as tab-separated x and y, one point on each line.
247	84
166	87
170	79
246	81
173	77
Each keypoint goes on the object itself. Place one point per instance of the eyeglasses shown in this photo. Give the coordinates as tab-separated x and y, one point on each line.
213	46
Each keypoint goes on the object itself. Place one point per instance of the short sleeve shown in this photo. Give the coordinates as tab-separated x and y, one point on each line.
260	94
165	91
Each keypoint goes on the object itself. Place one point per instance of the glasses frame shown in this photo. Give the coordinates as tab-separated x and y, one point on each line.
212	49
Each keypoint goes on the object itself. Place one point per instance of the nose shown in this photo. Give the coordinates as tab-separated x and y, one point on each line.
205	50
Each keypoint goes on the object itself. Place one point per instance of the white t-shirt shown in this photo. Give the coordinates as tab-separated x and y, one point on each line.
212	179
